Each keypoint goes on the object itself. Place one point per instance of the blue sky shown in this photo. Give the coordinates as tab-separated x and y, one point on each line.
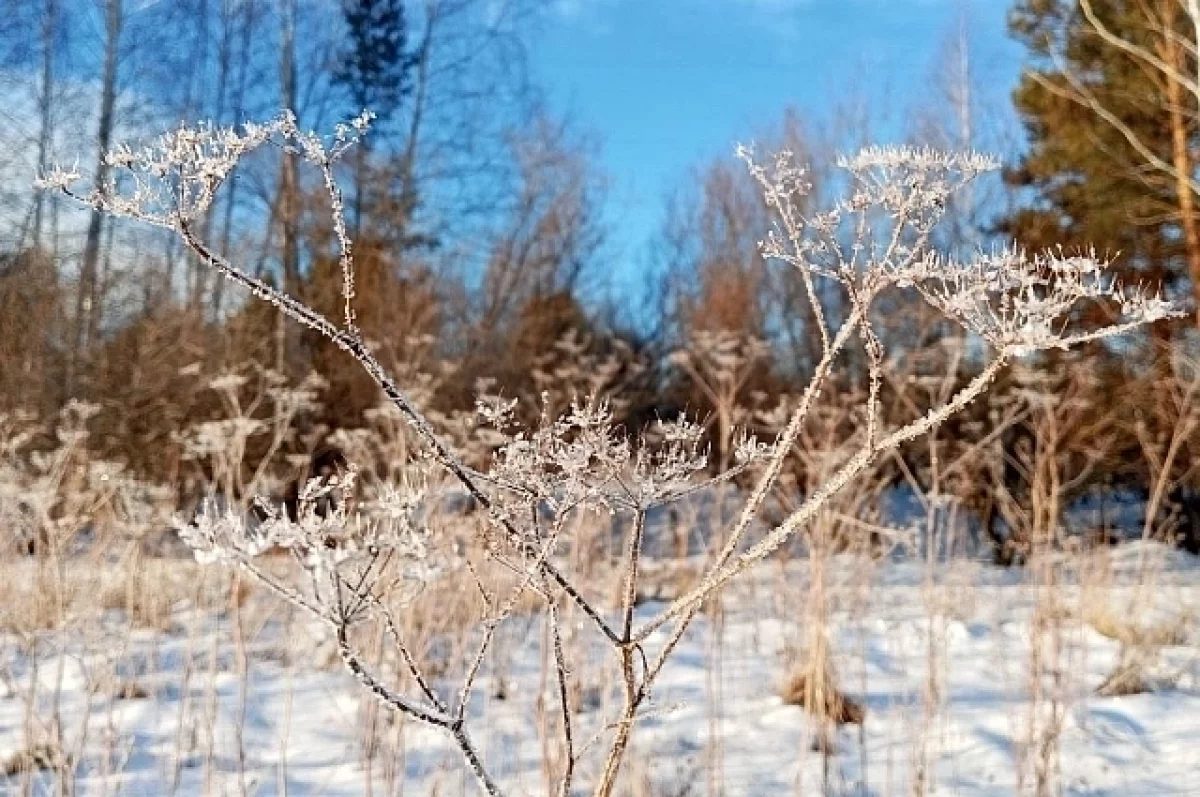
667	84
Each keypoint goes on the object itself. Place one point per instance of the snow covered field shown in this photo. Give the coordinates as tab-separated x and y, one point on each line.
254	701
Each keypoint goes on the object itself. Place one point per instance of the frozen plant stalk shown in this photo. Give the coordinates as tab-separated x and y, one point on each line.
873	241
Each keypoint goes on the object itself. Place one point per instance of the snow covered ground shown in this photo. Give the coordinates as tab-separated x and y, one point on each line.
941	657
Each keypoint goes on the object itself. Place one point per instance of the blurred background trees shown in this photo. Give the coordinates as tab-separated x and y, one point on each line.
485	256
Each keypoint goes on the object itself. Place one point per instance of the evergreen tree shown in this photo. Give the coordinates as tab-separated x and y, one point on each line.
1097	118
373	70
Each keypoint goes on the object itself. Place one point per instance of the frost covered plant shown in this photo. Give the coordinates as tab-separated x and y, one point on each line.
720	363
581	461
175	178
355	566
50	493
1017	303
1022	303
326	532
172	181
385	444
875	240
78	517
255	411
571	368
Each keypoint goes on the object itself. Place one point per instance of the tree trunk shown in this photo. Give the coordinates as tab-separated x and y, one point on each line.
86	310
45	108
1181	157
243	59
288	185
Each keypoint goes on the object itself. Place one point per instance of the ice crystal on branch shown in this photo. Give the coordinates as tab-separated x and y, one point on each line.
1023	303
582	460
174	178
918	160
567	463
1018	302
327	530
668	469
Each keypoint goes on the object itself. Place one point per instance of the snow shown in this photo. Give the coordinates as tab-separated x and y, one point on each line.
891	623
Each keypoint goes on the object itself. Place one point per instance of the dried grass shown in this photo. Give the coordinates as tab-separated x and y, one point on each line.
1129	630
41	757
814	690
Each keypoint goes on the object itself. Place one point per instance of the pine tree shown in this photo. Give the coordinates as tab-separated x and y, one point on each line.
374	67
373	70
1084	104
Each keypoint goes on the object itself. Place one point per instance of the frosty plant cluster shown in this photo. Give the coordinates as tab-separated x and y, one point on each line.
874	240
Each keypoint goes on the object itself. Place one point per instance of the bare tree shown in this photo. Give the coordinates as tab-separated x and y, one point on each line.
954	116
239	21
49	32
548	242
87	310
469	92
713	277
